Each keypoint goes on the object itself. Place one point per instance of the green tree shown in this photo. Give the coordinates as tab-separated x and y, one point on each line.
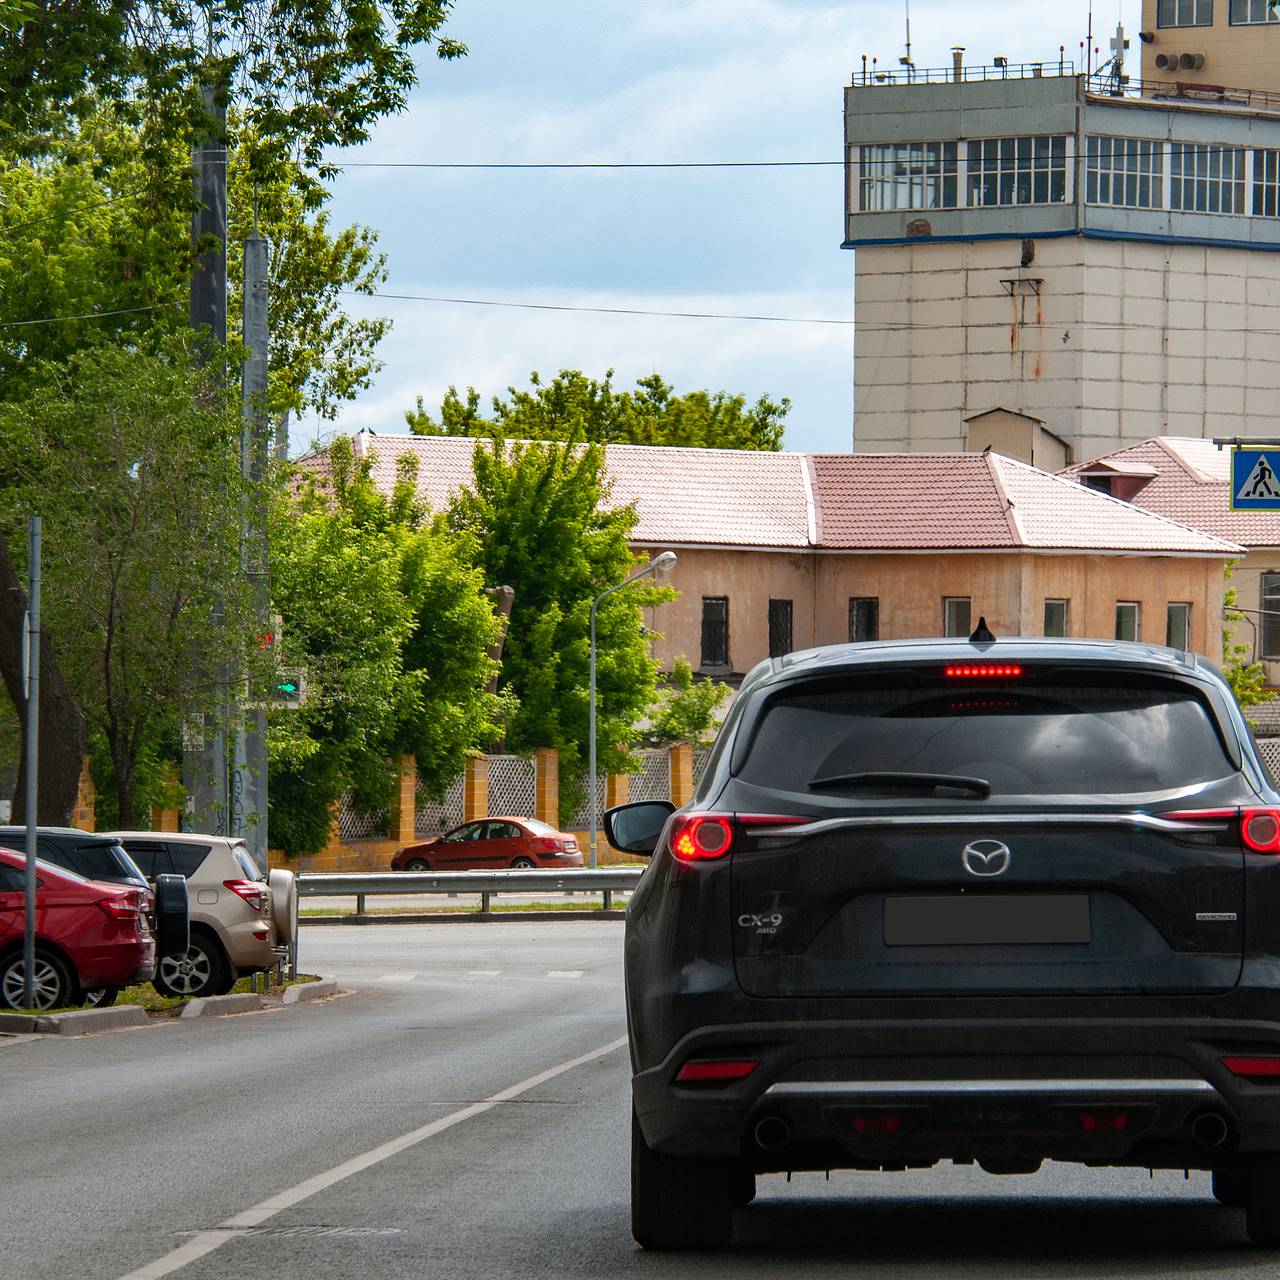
382	608
541	524
574	407
133	462
1247	679
686	710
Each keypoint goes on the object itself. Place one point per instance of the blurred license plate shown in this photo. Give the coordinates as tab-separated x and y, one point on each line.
990	920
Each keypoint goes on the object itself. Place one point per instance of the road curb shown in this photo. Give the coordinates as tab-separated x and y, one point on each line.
215	1006
310	990
84	1021
465	917
17	1023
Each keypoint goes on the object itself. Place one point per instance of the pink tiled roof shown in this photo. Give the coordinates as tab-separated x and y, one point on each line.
888	502
949	501
1191	485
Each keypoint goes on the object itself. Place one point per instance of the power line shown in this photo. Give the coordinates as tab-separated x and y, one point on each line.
88	315
588	164
608	311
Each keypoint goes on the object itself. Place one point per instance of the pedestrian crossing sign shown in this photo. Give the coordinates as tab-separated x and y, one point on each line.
1255	480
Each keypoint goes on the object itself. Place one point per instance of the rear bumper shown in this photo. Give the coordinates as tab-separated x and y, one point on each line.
999	1090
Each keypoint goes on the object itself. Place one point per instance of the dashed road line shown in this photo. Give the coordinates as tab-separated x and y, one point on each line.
565	973
397	977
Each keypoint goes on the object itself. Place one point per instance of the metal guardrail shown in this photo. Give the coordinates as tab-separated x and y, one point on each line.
603	880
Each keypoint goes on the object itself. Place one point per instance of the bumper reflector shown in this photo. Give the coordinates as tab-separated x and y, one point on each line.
716	1071
1264	1068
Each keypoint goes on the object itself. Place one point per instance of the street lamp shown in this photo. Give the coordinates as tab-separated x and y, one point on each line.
662	564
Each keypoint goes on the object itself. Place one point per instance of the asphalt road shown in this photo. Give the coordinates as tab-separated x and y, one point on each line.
463	1113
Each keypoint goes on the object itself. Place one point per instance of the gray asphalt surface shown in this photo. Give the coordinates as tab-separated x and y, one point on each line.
119	1149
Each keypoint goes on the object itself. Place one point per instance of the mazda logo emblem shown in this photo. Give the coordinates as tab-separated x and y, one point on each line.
985	858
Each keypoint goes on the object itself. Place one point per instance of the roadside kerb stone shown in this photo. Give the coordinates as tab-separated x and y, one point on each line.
82	1022
211	1006
310	990
17	1023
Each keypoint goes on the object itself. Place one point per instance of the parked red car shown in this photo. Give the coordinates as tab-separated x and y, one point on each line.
89	934
491	844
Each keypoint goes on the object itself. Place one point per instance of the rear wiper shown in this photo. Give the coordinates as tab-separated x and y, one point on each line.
928	781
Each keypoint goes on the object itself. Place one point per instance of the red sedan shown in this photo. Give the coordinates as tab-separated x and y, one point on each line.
89	934
491	844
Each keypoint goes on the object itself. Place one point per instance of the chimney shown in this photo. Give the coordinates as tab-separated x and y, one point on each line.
957	61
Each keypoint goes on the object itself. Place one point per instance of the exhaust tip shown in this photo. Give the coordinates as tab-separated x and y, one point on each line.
772	1132
1210	1129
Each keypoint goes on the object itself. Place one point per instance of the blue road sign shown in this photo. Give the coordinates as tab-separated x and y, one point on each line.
1255	479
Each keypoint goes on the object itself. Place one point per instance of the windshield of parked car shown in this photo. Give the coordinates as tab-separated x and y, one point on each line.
1029	737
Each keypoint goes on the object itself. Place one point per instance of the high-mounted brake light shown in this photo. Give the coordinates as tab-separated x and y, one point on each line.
983	670
250	890
716	1071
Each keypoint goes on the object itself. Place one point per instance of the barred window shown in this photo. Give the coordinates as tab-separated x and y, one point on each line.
864	618
1124	171
1184	13
1271	615
1266	184
1030	170
1206	179
780	639
909	175
1248	11
715	631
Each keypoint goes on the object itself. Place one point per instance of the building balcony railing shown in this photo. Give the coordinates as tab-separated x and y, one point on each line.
1184	93
872	75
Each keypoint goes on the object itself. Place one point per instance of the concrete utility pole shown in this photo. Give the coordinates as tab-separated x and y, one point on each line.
249	770
32	674
204	758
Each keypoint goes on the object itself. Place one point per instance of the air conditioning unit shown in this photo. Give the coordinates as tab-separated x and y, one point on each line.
1167	61
1191	61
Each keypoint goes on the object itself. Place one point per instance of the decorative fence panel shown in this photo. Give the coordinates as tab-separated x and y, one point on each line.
512	786
361	826
700	757
653	782
1270	748
582	819
434	816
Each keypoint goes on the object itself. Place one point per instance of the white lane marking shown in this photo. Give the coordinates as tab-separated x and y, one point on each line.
233	1228
397	977
484	973
564	973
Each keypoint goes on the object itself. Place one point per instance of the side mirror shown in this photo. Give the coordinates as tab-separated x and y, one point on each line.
635	828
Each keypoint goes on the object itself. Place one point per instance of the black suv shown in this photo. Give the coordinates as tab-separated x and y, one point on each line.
936	900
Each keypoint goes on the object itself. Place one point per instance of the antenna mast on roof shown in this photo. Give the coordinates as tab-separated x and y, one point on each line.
1088	52
905	61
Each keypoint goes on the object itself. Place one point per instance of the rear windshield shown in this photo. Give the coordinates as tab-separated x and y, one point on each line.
540	828
1033	737
247	862
97	861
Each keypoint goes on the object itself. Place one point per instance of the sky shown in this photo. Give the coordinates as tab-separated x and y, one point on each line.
648	81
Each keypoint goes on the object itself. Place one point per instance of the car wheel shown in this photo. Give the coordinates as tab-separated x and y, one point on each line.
417	864
201	970
99	997
679	1202
523	864
53	985
1230	1187
1262	1205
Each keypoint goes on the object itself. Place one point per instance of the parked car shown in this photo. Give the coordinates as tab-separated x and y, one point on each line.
89	934
997	902
242	917
492	844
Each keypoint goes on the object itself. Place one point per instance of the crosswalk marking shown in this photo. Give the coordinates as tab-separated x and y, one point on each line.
397	977
484	973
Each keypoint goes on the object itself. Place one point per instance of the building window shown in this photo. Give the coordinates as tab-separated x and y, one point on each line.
955	616
1055	617
1185	13
1177	627
864	618
1124	171
1266	184
1126	620
1031	170
1206	179
909	175
715	631
1248	11
1271	615
779	628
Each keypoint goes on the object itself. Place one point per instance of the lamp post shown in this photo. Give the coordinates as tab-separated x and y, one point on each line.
659	565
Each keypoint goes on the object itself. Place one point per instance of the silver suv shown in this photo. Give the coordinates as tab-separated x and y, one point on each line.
242	918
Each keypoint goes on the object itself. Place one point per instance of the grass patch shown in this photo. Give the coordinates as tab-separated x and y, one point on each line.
146	997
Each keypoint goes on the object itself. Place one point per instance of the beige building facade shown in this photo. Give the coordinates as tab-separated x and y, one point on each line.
1211	44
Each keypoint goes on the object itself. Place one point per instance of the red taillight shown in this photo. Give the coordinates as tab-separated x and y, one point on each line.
548	845
1265	1068
123	908
716	1070
699	837
1108	1121
1260	830
983	670
876	1121
250	890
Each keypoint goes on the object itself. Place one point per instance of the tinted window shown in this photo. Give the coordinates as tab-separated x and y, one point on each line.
151	856
1032	738
504	831
94	861
186	858
12	881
